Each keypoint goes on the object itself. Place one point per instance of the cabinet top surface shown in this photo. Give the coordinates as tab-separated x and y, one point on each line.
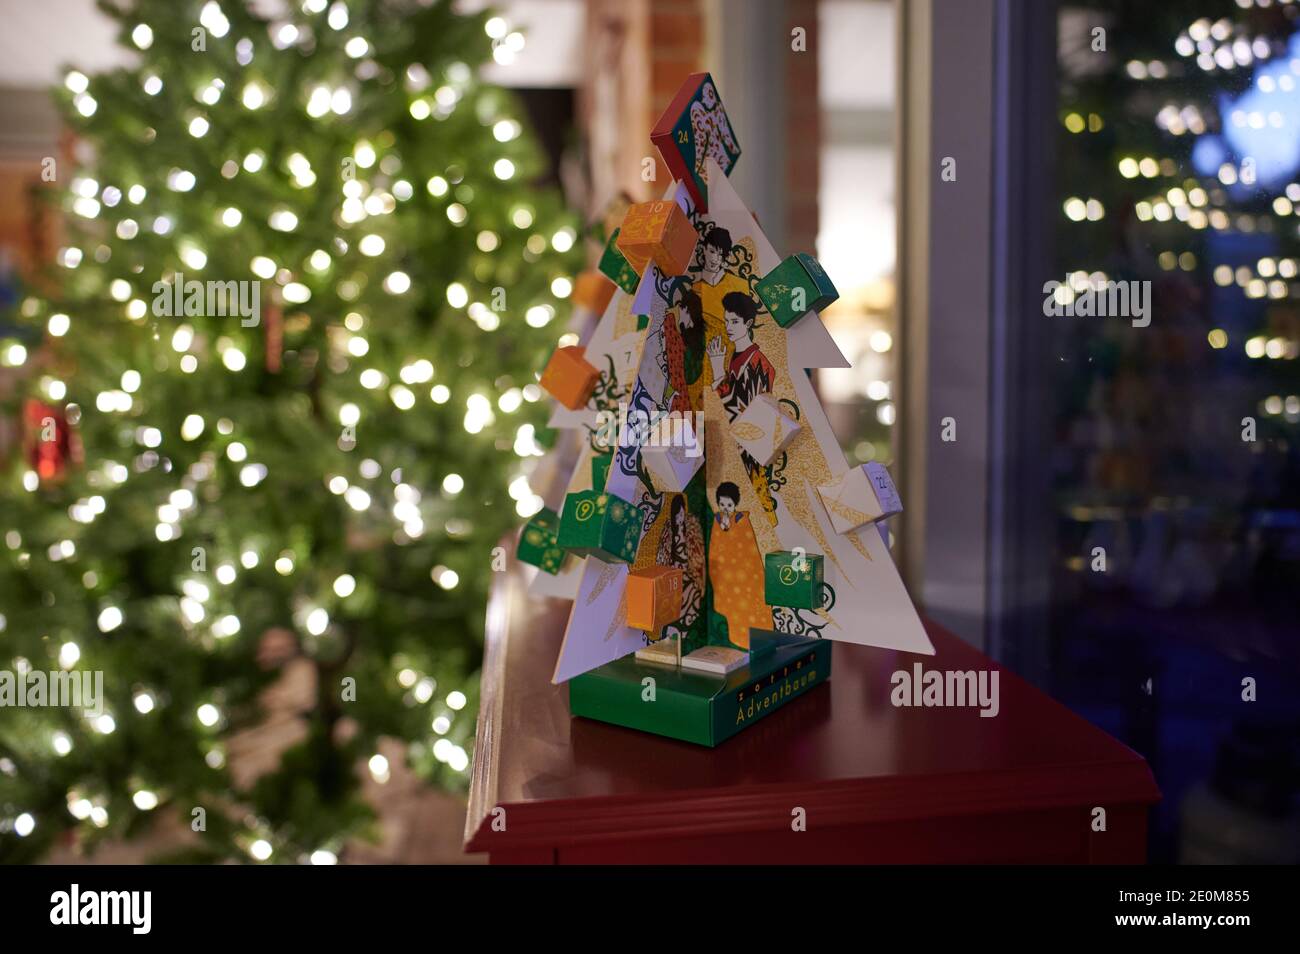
844	743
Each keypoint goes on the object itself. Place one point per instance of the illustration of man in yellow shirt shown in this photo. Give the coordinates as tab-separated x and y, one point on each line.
714	283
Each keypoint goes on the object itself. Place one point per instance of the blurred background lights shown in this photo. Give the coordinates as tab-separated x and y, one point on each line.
179	469
316	621
145	800
212	18
253	96
402	397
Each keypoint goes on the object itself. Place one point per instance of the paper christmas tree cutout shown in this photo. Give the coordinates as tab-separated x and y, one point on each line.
707	349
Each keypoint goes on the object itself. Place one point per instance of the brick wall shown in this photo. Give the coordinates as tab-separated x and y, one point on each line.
638	53
677	38
803	120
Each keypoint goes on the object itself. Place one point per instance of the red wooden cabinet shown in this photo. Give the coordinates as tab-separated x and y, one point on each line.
875	783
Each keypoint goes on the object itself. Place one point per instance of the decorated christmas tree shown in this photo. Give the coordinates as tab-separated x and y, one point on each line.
276	394
711	515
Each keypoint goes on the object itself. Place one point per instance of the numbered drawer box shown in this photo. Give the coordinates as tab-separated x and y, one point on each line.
601	525
795	287
615	266
654	598
860	496
660	232
793	579
539	543
569	377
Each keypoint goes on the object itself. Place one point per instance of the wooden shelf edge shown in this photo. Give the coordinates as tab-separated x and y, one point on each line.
483	777
847	802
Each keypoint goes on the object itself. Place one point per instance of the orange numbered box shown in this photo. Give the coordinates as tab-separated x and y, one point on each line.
659	231
654	597
569	378
592	290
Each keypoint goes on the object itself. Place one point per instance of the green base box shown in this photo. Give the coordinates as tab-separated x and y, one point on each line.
700	707
539	543
614	266
800	279
601	525
792	580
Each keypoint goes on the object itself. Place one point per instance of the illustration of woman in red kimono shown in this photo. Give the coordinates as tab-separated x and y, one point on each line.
682	545
684	352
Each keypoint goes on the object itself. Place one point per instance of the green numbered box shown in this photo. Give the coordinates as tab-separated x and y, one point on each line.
539	543
600	470
793	288
792	579
546	437
615	266
601	525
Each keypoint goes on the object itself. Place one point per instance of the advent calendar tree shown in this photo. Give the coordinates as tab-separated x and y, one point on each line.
704	347
322	479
